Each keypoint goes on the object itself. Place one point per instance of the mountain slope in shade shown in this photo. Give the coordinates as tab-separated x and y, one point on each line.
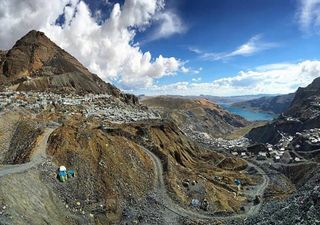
36	63
270	104
196	114
303	113
306	101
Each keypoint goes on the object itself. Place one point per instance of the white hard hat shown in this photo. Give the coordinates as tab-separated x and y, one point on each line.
62	168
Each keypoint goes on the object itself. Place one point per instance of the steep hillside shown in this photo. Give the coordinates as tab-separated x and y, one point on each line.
36	63
115	170
270	104
198	115
306	103
303	114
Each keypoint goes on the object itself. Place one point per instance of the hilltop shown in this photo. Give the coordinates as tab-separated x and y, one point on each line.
196	114
35	63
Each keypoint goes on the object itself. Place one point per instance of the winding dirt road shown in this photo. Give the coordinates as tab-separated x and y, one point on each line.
39	155
166	201
160	187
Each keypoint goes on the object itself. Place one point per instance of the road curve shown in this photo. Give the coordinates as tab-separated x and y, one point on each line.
39	155
177	209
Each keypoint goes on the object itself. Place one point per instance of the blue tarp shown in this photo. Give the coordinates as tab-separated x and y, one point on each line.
237	182
71	172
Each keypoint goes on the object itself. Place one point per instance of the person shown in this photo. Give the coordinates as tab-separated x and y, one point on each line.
238	183
205	205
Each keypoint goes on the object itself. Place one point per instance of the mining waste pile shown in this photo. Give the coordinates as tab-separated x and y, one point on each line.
76	150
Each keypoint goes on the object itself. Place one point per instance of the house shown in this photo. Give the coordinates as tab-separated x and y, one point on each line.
276	158
262	156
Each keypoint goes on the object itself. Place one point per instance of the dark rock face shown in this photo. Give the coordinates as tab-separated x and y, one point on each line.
306	101
303	113
22	142
275	104
255	149
36	63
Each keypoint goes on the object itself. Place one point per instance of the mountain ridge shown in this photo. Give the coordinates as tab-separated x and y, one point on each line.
303	113
35	63
270	104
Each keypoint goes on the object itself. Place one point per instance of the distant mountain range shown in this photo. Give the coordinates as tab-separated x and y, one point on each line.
234	99
270	104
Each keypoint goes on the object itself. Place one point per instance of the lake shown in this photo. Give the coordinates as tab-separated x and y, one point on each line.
249	115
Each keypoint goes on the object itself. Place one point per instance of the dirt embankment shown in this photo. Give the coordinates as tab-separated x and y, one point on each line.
18	136
111	170
23	142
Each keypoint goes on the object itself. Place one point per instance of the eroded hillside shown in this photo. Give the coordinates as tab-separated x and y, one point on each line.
196	115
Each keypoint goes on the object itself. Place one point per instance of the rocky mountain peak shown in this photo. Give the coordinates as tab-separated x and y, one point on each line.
35	63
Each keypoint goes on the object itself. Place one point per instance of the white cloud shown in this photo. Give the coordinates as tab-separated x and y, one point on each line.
190	70
198	79
169	24
106	48
309	15
280	79
253	46
185	69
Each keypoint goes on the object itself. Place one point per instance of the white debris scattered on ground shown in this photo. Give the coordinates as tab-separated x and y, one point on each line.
100	105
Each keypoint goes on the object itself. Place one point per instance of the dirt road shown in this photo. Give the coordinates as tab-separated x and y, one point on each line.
39	155
172	206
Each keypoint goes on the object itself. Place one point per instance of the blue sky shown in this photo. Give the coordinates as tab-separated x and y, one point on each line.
217	47
223	26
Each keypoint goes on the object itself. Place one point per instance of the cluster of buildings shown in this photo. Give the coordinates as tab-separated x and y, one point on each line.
272	153
218	143
307	140
280	152
100	105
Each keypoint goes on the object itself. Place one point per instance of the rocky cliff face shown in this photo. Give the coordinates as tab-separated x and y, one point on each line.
198	115
271	104
36	63
303	113
306	103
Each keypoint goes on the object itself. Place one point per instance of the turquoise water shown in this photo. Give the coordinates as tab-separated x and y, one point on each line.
249	115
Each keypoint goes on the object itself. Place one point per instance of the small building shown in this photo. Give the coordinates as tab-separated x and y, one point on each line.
262	156
234	153
276	158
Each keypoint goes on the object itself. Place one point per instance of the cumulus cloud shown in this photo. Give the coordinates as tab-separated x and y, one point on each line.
105	47
252	46
269	79
309	15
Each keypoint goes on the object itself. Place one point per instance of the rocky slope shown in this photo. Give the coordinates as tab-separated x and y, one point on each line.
300	208
198	115
36	63
270	104
302	114
113	166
